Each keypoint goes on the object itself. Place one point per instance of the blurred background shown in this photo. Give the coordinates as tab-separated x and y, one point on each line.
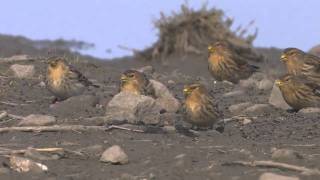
129	23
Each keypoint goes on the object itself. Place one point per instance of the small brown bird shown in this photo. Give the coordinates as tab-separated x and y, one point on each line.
136	82
299	92
299	62
199	108
63	80
225	65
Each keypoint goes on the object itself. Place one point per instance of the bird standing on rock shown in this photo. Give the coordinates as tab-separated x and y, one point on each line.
199	108
224	65
63	80
301	63
137	83
299	92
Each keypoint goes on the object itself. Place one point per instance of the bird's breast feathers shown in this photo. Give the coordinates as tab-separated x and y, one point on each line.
130	87
193	104
56	76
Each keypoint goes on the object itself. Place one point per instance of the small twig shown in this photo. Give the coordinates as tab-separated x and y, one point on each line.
56	128
12	104
271	164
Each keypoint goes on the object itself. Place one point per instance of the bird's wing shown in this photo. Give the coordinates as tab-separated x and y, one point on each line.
78	76
314	61
315	87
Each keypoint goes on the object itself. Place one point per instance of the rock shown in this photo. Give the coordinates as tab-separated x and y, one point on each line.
309	110
265	84
22	71
37	120
148	70
273	176
21	164
285	154
234	93
276	98
169	129
248	83
171	82
258	109
131	108
114	155
164	98
237	108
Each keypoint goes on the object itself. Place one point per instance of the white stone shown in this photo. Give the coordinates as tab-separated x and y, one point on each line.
273	176
22	71
37	120
114	155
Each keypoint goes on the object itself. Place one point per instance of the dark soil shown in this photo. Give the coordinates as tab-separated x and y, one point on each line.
159	155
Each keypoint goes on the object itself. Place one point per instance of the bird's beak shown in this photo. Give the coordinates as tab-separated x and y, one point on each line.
123	78
210	49
283	57
186	91
278	82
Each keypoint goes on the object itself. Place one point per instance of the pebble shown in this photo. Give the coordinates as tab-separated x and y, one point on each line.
22	71
114	155
37	120
273	176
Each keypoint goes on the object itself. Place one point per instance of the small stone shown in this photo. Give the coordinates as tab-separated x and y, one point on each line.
234	93
285	154
248	83
42	84
146	69
258	109
22	71
273	176
265	84
169	129
37	120
237	108
309	110
276	99
246	121
171	82
114	155
21	164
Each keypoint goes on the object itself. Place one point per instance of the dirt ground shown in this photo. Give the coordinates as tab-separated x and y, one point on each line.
159	155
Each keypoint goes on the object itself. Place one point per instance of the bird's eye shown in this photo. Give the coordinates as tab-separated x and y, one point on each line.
131	75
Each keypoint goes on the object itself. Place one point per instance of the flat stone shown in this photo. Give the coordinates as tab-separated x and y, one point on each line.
276	99
37	120
258	109
273	176
114	155
238	108
265	84
285	154
22	71
309	110
234	93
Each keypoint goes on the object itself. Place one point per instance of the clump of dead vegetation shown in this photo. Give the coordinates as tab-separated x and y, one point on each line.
191	31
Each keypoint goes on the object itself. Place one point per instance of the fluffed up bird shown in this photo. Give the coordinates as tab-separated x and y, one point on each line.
63	80
199	108
299	92
137	83
301	63
224	65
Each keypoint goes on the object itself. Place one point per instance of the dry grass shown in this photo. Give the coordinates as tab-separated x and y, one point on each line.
191	31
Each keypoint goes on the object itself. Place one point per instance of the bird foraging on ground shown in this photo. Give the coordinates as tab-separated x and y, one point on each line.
199	108
301	63
137	83
224	65
299	92
63	80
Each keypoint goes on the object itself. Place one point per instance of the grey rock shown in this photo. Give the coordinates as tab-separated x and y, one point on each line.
273	176
164	97
114	155
258	109
37	120
310	110
148	70
285	154
248	83
22	71
276	99
265	84
131	108
234	93
238	108
4	171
